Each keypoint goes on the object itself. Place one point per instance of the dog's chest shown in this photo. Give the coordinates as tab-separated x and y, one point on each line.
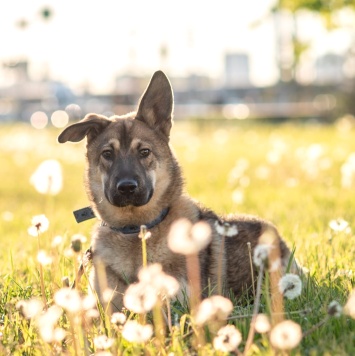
123	253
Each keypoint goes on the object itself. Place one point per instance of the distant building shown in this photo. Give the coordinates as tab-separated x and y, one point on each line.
329	69
236	70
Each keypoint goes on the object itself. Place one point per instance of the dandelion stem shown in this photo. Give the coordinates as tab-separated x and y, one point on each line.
219	267
41	277
144	252
143	236
72	329
277	306
255	310
159	323
315	327
194	279
251	268
193	274
170	326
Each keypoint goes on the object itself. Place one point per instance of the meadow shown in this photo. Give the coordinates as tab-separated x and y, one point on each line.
300	176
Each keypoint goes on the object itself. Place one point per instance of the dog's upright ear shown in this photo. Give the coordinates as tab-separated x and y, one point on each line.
156	104
91	126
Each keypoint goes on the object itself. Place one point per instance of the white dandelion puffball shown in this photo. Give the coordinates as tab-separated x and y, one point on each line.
164	284
134	332
30	308
140	298
286	335
118	318
226	228
213	308
339	225
39	224
43	258
46	323
188	239
102	342
261	254
228	339
69	299
262	324
290	285
48	178
335	309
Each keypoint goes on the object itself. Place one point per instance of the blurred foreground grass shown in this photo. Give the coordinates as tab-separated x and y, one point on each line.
298	176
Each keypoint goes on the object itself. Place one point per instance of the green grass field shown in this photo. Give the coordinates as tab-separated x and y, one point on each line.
299	176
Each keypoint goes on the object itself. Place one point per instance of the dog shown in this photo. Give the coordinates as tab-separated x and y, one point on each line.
134	179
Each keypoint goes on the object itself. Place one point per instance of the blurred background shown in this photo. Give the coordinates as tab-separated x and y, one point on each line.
265	59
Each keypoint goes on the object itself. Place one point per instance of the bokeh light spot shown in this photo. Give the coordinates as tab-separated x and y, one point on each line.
39	120
59	118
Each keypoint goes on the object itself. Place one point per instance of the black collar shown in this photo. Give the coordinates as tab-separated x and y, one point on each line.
87	213
135	229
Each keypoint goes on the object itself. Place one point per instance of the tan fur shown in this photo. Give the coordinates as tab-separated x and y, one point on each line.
159	185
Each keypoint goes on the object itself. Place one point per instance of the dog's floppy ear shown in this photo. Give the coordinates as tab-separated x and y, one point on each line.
156	104
90	126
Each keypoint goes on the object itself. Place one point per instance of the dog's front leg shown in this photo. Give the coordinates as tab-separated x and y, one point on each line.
108	286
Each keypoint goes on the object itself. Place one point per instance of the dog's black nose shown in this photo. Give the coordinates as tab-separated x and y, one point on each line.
127	186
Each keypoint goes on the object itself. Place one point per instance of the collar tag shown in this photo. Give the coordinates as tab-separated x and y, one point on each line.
83	214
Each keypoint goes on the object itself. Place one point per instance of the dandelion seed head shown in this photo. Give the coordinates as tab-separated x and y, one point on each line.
59	334
57	240
228	339
68	299
30	308
226	229
107	295
213	308
77	241
47	179
335	309
39	224
187	239
349	307
102	342
290	285
140	298
118	318
262	324
134	332
92	314
46	323
339	225
149	273
155	276
89	302
43	258
261	254
286	335
144	234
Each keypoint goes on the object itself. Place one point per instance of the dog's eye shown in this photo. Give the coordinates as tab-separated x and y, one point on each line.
107	154
144	152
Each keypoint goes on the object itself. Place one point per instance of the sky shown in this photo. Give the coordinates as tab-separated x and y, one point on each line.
87	43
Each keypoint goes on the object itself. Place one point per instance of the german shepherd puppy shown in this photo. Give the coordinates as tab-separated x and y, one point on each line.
133	179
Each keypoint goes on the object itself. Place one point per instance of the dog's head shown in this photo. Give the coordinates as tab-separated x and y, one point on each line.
130	163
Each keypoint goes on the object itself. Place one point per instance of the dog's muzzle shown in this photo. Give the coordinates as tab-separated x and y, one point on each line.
129	191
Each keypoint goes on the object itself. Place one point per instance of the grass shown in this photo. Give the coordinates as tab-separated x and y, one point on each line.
289	174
